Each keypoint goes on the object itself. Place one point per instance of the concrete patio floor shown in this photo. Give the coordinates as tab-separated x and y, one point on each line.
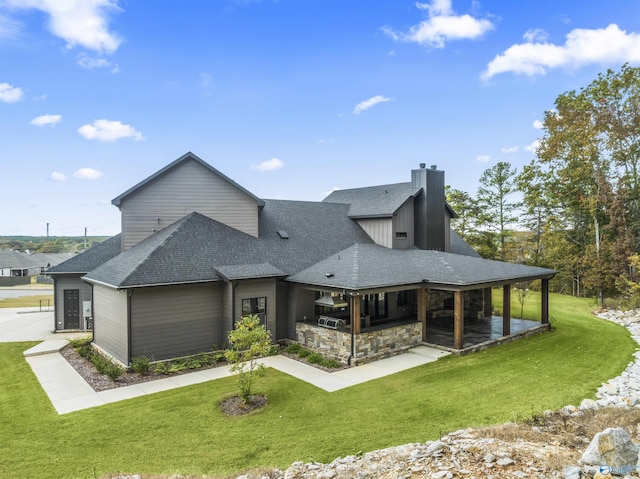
476	331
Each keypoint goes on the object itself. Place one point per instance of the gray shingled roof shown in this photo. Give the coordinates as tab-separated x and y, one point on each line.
460	246
374	201
90	259
17	260
196	248
249	271
368	266
186	157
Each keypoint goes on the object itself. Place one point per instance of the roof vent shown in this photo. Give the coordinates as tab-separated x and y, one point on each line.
423	166
283	234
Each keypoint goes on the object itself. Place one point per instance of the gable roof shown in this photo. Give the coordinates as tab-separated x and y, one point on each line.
90	259
377	201
117	201
197	248
374	201
370	266
17	260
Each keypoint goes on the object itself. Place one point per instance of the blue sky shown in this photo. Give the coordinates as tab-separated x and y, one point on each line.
290	98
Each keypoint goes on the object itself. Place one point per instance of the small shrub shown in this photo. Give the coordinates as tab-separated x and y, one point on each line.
274	351
114	371
303	353
100	362
293	348
314	358
192	363
141	365
207	359
85	351
176	367
330	363
161	368
77	343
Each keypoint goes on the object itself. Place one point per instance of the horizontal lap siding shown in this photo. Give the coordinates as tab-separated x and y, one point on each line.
66	282
110	321
189	187
174	321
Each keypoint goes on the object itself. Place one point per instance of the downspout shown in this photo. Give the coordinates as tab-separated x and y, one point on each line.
353	335
129	294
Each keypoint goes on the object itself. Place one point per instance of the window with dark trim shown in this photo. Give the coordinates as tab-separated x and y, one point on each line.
401	234
257	306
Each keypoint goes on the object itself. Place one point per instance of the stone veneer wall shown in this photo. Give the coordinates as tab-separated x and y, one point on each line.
372	345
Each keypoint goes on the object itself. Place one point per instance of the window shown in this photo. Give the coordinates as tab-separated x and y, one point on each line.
256	306
401	234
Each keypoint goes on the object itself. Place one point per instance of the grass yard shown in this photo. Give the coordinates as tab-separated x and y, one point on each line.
28	301
183	432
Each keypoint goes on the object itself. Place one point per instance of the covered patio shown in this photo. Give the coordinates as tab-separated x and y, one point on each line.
390	301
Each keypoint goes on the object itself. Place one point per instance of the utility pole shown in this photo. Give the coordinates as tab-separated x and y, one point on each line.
85	238
47	230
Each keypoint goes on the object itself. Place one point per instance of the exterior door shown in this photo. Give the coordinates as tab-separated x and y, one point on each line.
71	309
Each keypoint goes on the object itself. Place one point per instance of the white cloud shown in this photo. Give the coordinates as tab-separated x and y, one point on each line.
9	27
535	35
108	130
10	93
582	47
78	22
510	149
44	120
87	174
537	124
90	63
533	147
57	176
326	140
483	158
366	104
268	165
441	26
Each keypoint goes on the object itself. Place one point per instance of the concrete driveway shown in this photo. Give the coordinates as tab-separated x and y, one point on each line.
28	324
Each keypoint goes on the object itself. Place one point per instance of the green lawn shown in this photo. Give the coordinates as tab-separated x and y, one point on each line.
183	432
34	301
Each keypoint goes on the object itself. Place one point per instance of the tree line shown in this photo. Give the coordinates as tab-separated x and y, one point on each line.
575	207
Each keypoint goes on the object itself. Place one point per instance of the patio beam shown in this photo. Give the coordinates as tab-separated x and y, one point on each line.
355	314
506	310
544	314
458	320
422	311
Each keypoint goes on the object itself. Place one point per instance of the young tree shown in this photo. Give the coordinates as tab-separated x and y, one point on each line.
468	211
496	186
248	341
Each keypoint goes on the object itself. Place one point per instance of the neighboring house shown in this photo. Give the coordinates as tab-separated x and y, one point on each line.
357	276
17	267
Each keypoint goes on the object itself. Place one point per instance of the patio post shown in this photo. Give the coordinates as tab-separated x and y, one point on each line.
355	314
487	303
506	310
544	314
422	311
458	320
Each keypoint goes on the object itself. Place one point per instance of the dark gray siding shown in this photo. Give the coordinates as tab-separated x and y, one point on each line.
256	288
403	222
69	281
379	230
189	187
110	321
281	310
300	305
174	321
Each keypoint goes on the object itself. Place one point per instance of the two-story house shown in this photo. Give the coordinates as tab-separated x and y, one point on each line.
361	275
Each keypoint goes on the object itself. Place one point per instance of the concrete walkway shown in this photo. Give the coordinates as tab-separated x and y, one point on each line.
69	392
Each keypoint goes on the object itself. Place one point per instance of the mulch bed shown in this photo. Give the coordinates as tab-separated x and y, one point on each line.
101	382
234	406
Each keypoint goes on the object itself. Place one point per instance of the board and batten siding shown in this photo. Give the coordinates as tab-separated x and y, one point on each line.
187	188
403	222
379	230
300	305
65	282
174	321
282	291
110	330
